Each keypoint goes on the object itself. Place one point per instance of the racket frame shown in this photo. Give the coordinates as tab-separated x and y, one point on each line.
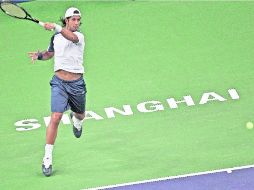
27	17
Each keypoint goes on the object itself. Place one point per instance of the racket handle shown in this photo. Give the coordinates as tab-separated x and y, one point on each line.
41	23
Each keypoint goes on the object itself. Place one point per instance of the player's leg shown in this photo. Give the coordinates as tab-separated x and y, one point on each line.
52	128
59	104
51	134
77	101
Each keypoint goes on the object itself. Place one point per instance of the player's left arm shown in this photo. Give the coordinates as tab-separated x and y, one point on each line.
44	55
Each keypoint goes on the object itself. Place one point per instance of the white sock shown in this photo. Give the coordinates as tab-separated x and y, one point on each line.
48	150
47	160
77	123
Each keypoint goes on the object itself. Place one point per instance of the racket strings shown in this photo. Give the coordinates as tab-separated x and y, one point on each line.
13	10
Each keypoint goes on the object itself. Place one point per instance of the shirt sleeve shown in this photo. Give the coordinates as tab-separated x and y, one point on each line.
51	44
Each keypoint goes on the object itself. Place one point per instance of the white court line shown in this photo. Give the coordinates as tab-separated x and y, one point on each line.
229	170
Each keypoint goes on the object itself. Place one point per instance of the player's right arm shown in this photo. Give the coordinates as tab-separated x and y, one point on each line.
44	55
69	35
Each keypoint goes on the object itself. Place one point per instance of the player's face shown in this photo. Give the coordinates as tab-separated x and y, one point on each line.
73	23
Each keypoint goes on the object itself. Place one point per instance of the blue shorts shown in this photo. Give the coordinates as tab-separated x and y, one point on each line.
68	95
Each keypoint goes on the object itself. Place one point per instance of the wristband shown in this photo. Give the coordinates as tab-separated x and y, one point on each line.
39	56
58	28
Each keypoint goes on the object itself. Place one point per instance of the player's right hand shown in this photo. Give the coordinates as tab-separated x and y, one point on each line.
49	26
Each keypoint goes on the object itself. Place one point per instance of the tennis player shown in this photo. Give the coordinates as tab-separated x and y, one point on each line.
68	88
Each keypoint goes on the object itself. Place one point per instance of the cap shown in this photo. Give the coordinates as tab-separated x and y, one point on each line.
72	11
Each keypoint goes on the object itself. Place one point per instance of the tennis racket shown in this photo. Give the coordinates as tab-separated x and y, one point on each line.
18	12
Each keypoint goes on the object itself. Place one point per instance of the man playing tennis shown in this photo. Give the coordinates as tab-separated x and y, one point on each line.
68	89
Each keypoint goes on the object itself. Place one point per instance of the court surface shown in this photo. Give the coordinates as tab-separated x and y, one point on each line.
241	178
170	90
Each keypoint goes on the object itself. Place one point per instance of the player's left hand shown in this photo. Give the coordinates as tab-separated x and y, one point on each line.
33	56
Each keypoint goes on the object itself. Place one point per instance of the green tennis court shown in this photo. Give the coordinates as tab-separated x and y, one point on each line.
170	90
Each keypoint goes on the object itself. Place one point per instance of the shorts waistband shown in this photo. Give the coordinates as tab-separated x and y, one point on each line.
68	81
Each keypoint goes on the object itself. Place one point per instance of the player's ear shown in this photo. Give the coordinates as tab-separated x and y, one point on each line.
66	21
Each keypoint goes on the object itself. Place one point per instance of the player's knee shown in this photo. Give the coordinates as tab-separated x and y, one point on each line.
56	117
80	116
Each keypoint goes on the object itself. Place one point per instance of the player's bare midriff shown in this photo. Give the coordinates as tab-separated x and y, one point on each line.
65	75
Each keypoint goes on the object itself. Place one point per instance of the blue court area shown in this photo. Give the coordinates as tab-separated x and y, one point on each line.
227	179
15	1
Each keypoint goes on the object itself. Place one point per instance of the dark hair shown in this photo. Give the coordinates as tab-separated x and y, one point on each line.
62	20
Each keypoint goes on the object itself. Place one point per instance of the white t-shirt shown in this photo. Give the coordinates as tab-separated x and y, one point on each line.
68	55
